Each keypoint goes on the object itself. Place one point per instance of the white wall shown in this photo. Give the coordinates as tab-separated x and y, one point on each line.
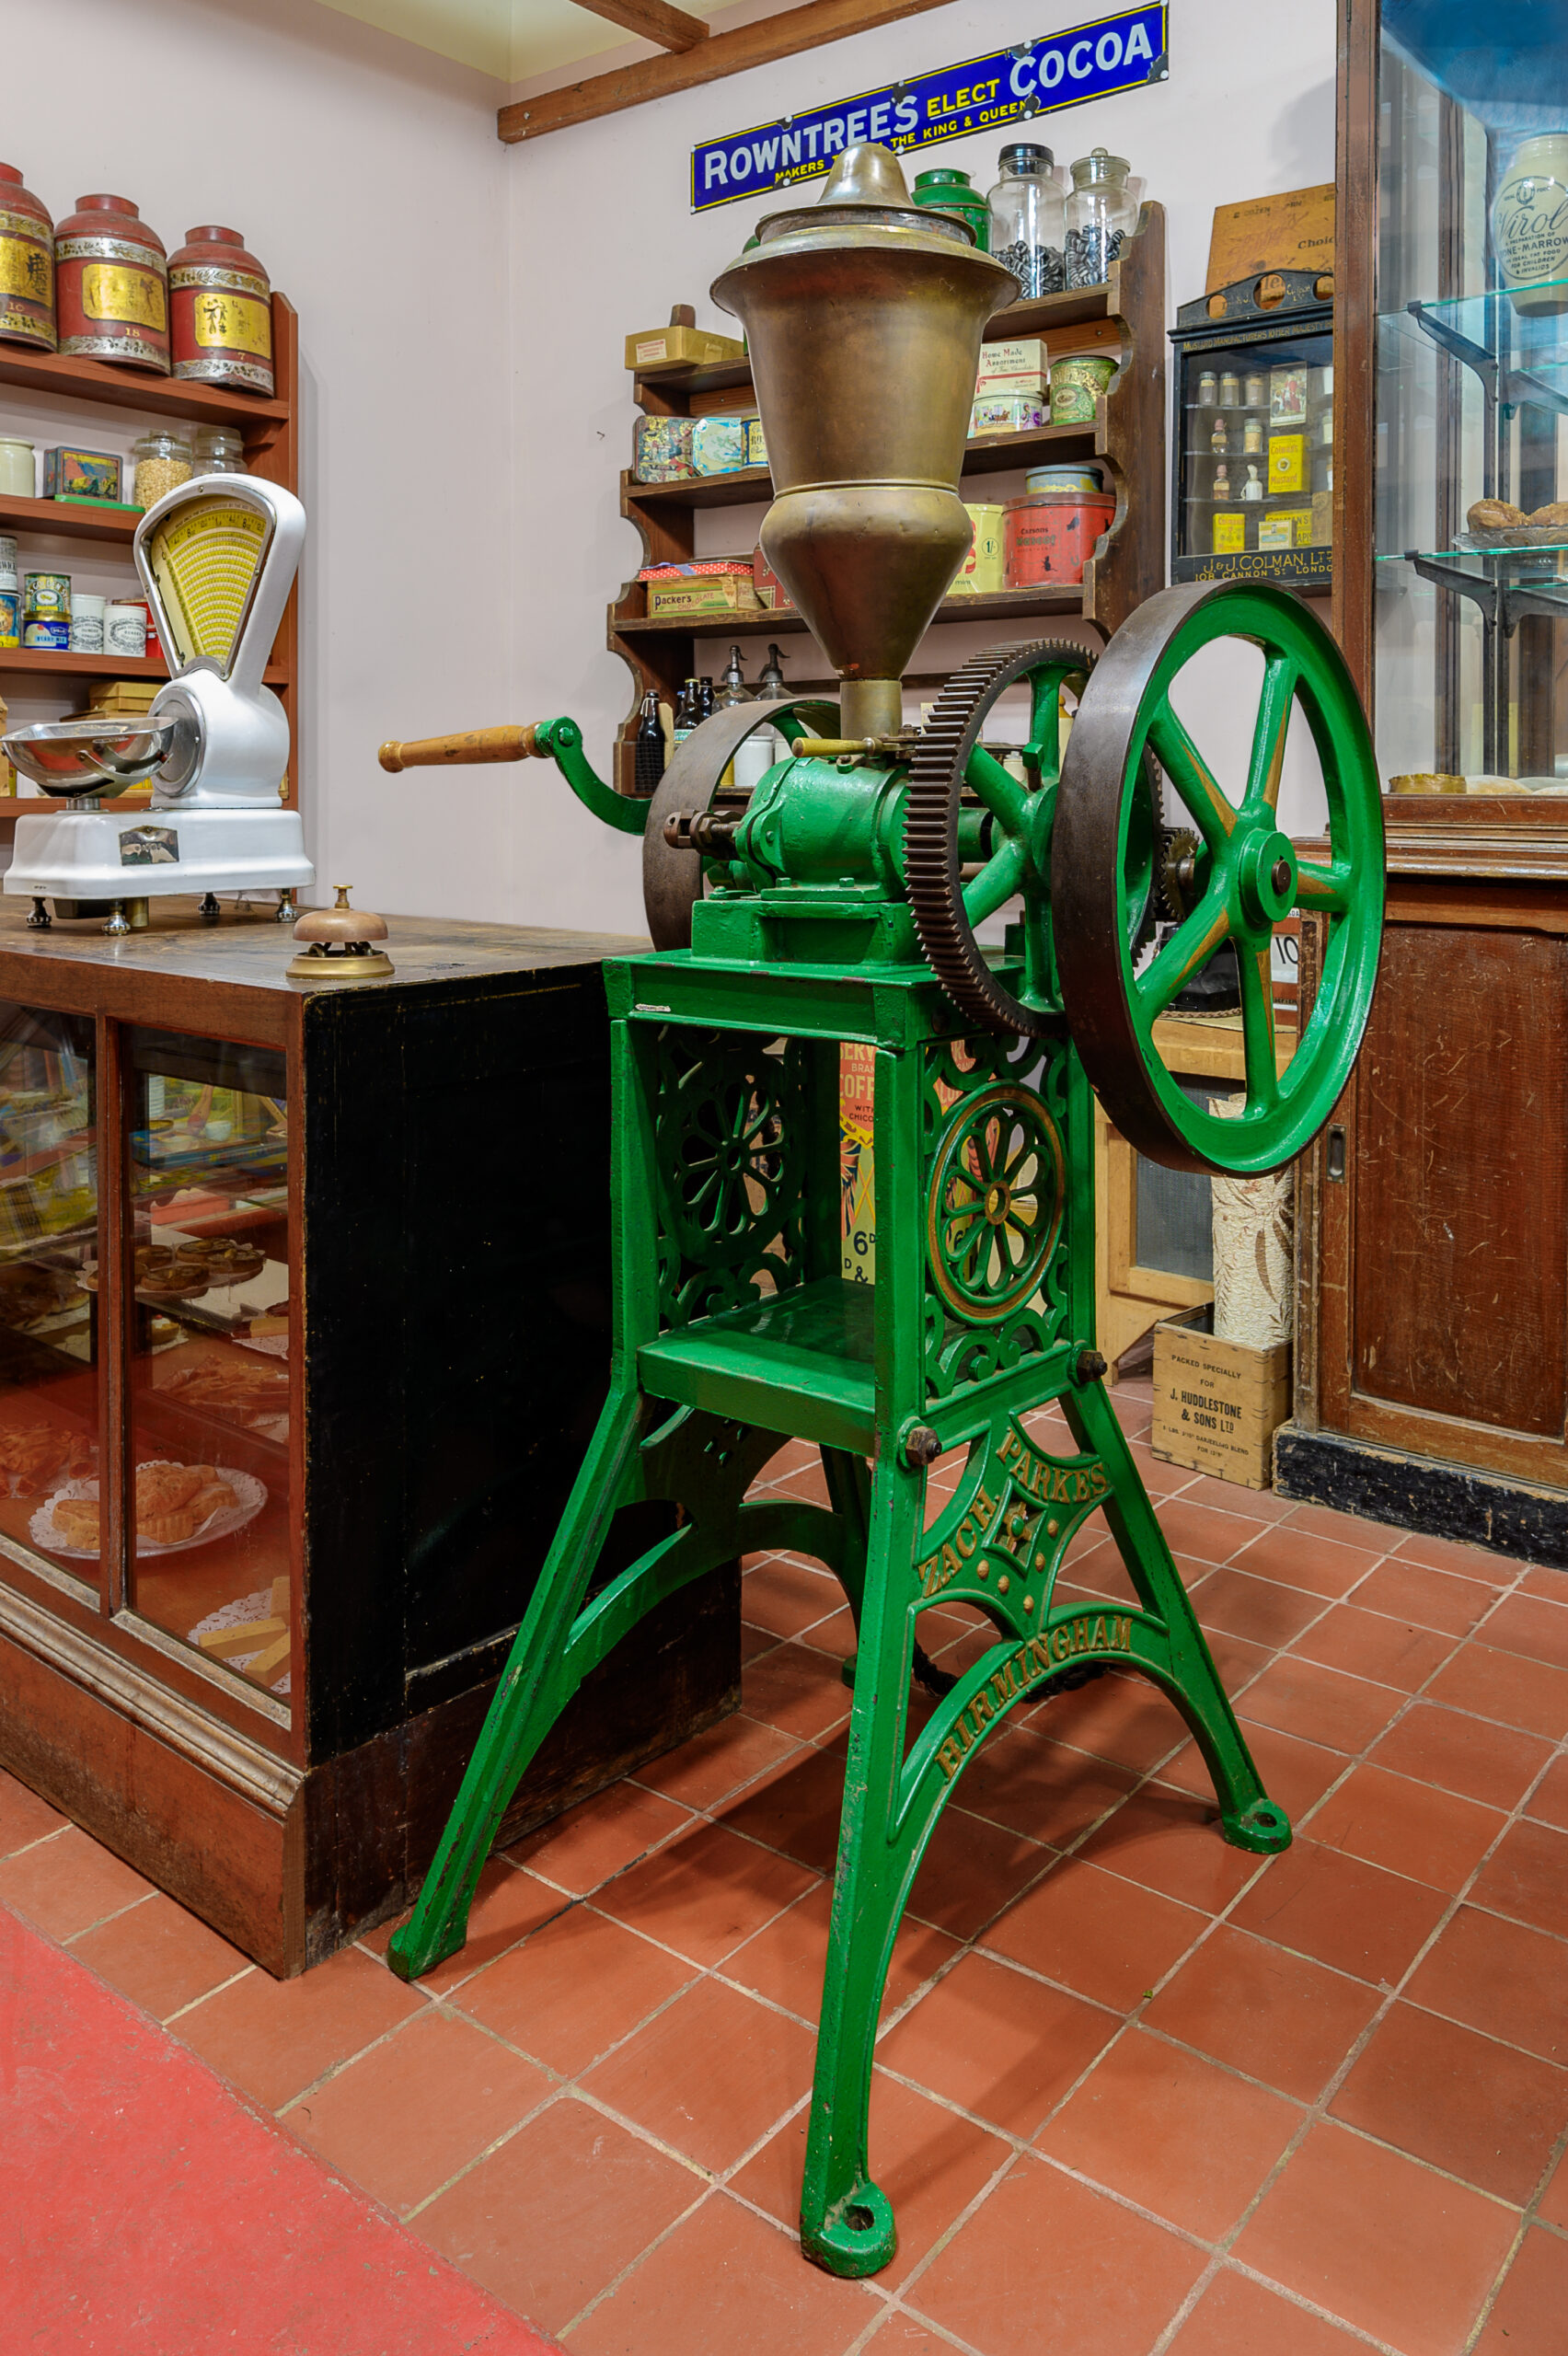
604	243
367	177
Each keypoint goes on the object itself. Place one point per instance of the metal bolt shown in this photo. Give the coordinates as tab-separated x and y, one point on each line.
1090	1368
1028	1603
1279	876
1053	1529
1003	1584
922	1446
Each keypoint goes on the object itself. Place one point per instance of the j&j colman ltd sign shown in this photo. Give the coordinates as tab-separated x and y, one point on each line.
1124	51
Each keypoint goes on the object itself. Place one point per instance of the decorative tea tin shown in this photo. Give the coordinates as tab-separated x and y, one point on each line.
46	597
220	312
80	474
27	265
112	288
1077	379
663	449
11	618
719	445
1047	536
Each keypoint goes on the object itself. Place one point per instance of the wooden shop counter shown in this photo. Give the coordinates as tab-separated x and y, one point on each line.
305	1300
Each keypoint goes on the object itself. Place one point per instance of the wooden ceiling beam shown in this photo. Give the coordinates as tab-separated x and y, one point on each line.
654	19
761	43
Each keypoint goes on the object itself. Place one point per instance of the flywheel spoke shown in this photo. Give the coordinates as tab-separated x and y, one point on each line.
996	882
1190	946
1258	1023
997	789
1191	776
1043	751
1325	889
1278	700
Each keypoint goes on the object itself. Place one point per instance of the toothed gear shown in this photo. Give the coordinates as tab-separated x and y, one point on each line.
932	875
1177	894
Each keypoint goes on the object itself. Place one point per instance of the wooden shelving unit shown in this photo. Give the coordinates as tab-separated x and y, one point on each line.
271	433
1126	317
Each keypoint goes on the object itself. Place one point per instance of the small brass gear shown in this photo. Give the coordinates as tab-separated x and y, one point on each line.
1178	888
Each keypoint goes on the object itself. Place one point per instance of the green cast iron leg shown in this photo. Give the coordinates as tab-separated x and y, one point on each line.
847	2223
528	1700
1249	1818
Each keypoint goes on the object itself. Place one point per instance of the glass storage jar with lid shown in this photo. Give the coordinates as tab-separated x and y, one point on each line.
219	451
162	458
1099	215
1026	220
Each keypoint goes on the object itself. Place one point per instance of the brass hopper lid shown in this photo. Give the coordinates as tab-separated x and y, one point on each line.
863	314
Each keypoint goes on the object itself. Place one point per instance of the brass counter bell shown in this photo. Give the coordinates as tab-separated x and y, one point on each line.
338	944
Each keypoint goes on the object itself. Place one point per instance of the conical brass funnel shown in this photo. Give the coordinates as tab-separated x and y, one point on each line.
863	316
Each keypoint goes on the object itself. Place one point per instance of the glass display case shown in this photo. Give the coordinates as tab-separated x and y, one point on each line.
1471	554
301	1336
1252	496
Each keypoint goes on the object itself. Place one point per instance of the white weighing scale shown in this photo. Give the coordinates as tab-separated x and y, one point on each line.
218	558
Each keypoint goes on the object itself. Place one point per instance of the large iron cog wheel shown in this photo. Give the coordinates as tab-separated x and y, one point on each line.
950	763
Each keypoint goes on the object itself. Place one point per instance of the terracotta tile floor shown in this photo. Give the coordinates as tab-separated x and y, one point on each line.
1136	2091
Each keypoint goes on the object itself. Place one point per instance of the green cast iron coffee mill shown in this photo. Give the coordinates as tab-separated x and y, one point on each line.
842	901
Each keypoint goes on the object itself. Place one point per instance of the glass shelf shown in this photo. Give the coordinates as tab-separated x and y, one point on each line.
1521	357
1505	584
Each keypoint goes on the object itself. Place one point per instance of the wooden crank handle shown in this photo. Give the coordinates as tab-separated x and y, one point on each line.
512	743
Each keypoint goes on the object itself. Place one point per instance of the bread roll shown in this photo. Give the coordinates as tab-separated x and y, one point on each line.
1494	515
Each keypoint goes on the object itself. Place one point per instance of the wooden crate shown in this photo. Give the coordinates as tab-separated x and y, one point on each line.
1217	1405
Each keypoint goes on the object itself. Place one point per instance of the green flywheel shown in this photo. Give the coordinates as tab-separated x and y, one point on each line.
1242	876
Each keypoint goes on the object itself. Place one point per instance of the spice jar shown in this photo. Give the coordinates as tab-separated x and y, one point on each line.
18	477
1100	217
162	458
219	451
949	191
221	312
1209	389
111	285
27	265
1026	220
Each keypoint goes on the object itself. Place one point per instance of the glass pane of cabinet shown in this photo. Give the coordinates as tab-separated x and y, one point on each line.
210	1324
1471	524
49	1326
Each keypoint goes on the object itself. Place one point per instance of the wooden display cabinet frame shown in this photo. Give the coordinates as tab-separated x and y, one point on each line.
1410	1403
1126	316
270	432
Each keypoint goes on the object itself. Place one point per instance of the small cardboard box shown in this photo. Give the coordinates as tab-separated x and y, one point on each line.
1024	356
680	347
1217	1405
724	593
1288	462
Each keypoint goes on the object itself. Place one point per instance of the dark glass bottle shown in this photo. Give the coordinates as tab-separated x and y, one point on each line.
688	713
648	758
707	702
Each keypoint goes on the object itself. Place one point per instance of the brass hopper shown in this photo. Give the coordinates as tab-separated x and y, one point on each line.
863	316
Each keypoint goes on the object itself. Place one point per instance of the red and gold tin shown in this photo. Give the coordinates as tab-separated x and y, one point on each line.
27	265
221	312
1047	536
111	285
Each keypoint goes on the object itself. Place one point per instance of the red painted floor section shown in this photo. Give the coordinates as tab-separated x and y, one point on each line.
145	2209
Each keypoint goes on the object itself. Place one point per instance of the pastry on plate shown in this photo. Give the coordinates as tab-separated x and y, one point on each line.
1494	515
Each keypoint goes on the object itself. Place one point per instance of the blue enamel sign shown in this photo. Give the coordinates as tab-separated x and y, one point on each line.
1123	51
